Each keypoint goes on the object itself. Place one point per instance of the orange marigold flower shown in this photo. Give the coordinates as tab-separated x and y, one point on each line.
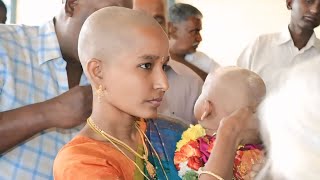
179	157
195	163
191	149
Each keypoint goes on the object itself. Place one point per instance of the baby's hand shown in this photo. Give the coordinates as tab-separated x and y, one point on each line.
243	125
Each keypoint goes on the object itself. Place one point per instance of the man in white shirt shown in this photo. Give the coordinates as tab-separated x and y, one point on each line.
185	24
270	54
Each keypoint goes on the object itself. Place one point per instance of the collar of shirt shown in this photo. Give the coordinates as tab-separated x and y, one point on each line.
285	37
48	41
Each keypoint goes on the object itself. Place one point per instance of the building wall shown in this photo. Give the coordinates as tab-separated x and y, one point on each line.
33	12
228	25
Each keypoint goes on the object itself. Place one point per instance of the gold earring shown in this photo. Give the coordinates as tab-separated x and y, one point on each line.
100	93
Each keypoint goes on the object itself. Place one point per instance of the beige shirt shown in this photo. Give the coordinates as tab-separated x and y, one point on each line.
183	69
182	94
271	54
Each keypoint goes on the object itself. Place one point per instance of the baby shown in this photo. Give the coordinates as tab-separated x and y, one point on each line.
224	91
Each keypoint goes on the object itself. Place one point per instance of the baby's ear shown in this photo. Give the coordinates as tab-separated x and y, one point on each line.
207	109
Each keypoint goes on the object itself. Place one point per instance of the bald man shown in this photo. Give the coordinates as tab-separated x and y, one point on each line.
185	85
224	91
156	8
129	80
44	95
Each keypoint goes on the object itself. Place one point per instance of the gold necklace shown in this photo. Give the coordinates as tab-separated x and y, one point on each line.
113	140
149	167
155	152
117	141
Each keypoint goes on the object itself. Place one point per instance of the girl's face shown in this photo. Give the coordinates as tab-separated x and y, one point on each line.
135	81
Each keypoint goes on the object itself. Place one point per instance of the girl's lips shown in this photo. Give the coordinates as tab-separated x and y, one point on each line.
156	102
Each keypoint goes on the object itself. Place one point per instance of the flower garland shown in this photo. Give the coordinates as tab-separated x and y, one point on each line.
194	148
193	133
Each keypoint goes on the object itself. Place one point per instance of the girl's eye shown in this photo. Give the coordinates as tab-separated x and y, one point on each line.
146	66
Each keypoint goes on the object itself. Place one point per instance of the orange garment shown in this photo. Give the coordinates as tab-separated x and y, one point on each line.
85	158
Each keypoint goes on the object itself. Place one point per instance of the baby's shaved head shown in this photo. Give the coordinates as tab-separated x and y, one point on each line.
234	87
112	31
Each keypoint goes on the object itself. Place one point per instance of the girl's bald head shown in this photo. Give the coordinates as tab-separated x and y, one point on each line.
112	31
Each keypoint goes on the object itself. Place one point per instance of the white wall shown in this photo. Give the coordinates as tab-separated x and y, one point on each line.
229	25
34	12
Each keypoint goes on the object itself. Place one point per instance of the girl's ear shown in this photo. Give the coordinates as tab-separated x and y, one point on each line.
94	71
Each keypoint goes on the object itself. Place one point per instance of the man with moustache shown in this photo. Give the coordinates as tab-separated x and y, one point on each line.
185	24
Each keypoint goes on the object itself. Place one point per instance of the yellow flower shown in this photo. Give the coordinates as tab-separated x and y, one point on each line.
192	133
181	143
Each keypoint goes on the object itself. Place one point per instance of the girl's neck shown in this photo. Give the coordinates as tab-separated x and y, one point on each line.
115	122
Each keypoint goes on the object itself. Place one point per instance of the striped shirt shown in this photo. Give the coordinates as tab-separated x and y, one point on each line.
32	70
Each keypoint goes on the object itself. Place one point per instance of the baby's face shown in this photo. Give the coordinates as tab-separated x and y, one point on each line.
205	95
198	107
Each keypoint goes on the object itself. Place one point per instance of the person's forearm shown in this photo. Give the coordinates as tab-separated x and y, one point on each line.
20	124
222	157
